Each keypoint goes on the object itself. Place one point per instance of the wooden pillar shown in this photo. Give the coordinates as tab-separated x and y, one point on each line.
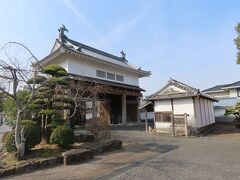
138	111
186	124
146	120
124	109
94	109
172	119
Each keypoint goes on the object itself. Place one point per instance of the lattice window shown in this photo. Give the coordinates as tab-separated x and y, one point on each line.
101	74
111	76
119	78
163	116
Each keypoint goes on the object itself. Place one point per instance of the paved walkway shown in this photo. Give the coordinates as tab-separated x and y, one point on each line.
3	129
150	156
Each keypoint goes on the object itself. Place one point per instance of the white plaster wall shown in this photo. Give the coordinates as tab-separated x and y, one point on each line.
224	94
185	105
200	112
181	106
87	68
162	106
162	125
204	112
197	110
61	61
233	92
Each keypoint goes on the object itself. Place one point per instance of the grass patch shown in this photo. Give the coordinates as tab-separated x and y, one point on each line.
39	152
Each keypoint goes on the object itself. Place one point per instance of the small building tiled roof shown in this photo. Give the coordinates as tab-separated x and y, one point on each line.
226	102
222	87
188	92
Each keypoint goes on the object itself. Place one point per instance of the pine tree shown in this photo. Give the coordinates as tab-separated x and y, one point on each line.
237	42
52	98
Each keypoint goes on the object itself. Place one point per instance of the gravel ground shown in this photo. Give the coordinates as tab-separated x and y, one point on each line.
151	156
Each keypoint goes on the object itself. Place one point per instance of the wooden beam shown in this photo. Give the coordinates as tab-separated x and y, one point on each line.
186	124
172	119
146	120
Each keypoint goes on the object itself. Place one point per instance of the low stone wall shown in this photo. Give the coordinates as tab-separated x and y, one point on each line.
76	155
84	138
30	166
69	157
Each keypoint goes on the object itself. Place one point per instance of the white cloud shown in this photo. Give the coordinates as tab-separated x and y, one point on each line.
85	21
117	32
121	28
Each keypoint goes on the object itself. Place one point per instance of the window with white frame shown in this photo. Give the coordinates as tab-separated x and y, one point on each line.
110	76
101	74
119	78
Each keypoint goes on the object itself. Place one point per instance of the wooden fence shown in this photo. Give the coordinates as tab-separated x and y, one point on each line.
178	124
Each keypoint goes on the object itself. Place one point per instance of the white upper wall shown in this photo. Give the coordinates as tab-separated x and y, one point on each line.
84	67
233	93
180	106
227	93
222	94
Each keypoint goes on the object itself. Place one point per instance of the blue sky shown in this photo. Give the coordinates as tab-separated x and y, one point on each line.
191	41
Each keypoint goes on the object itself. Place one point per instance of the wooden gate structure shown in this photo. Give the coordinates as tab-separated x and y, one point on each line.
174	124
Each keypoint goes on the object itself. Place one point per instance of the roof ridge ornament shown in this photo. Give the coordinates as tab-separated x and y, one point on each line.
123	55
62	37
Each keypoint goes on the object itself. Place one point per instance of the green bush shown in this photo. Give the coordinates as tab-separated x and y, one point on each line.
55	70
27	122
63	136
10	142
32	135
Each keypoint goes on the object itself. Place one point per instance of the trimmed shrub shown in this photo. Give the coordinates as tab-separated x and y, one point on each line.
27	122
55	70
63	136
32	135
10	145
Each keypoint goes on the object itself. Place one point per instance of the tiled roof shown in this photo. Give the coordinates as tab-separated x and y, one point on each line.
236	84
98	55
189	92
94	50
226	102
223	86
104	82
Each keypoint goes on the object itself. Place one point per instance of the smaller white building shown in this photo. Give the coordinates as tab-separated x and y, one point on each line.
176	99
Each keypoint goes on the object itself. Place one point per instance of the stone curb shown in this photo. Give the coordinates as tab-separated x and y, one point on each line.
43	163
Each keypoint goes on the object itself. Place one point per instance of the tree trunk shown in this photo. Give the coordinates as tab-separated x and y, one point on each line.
19	141
43	141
